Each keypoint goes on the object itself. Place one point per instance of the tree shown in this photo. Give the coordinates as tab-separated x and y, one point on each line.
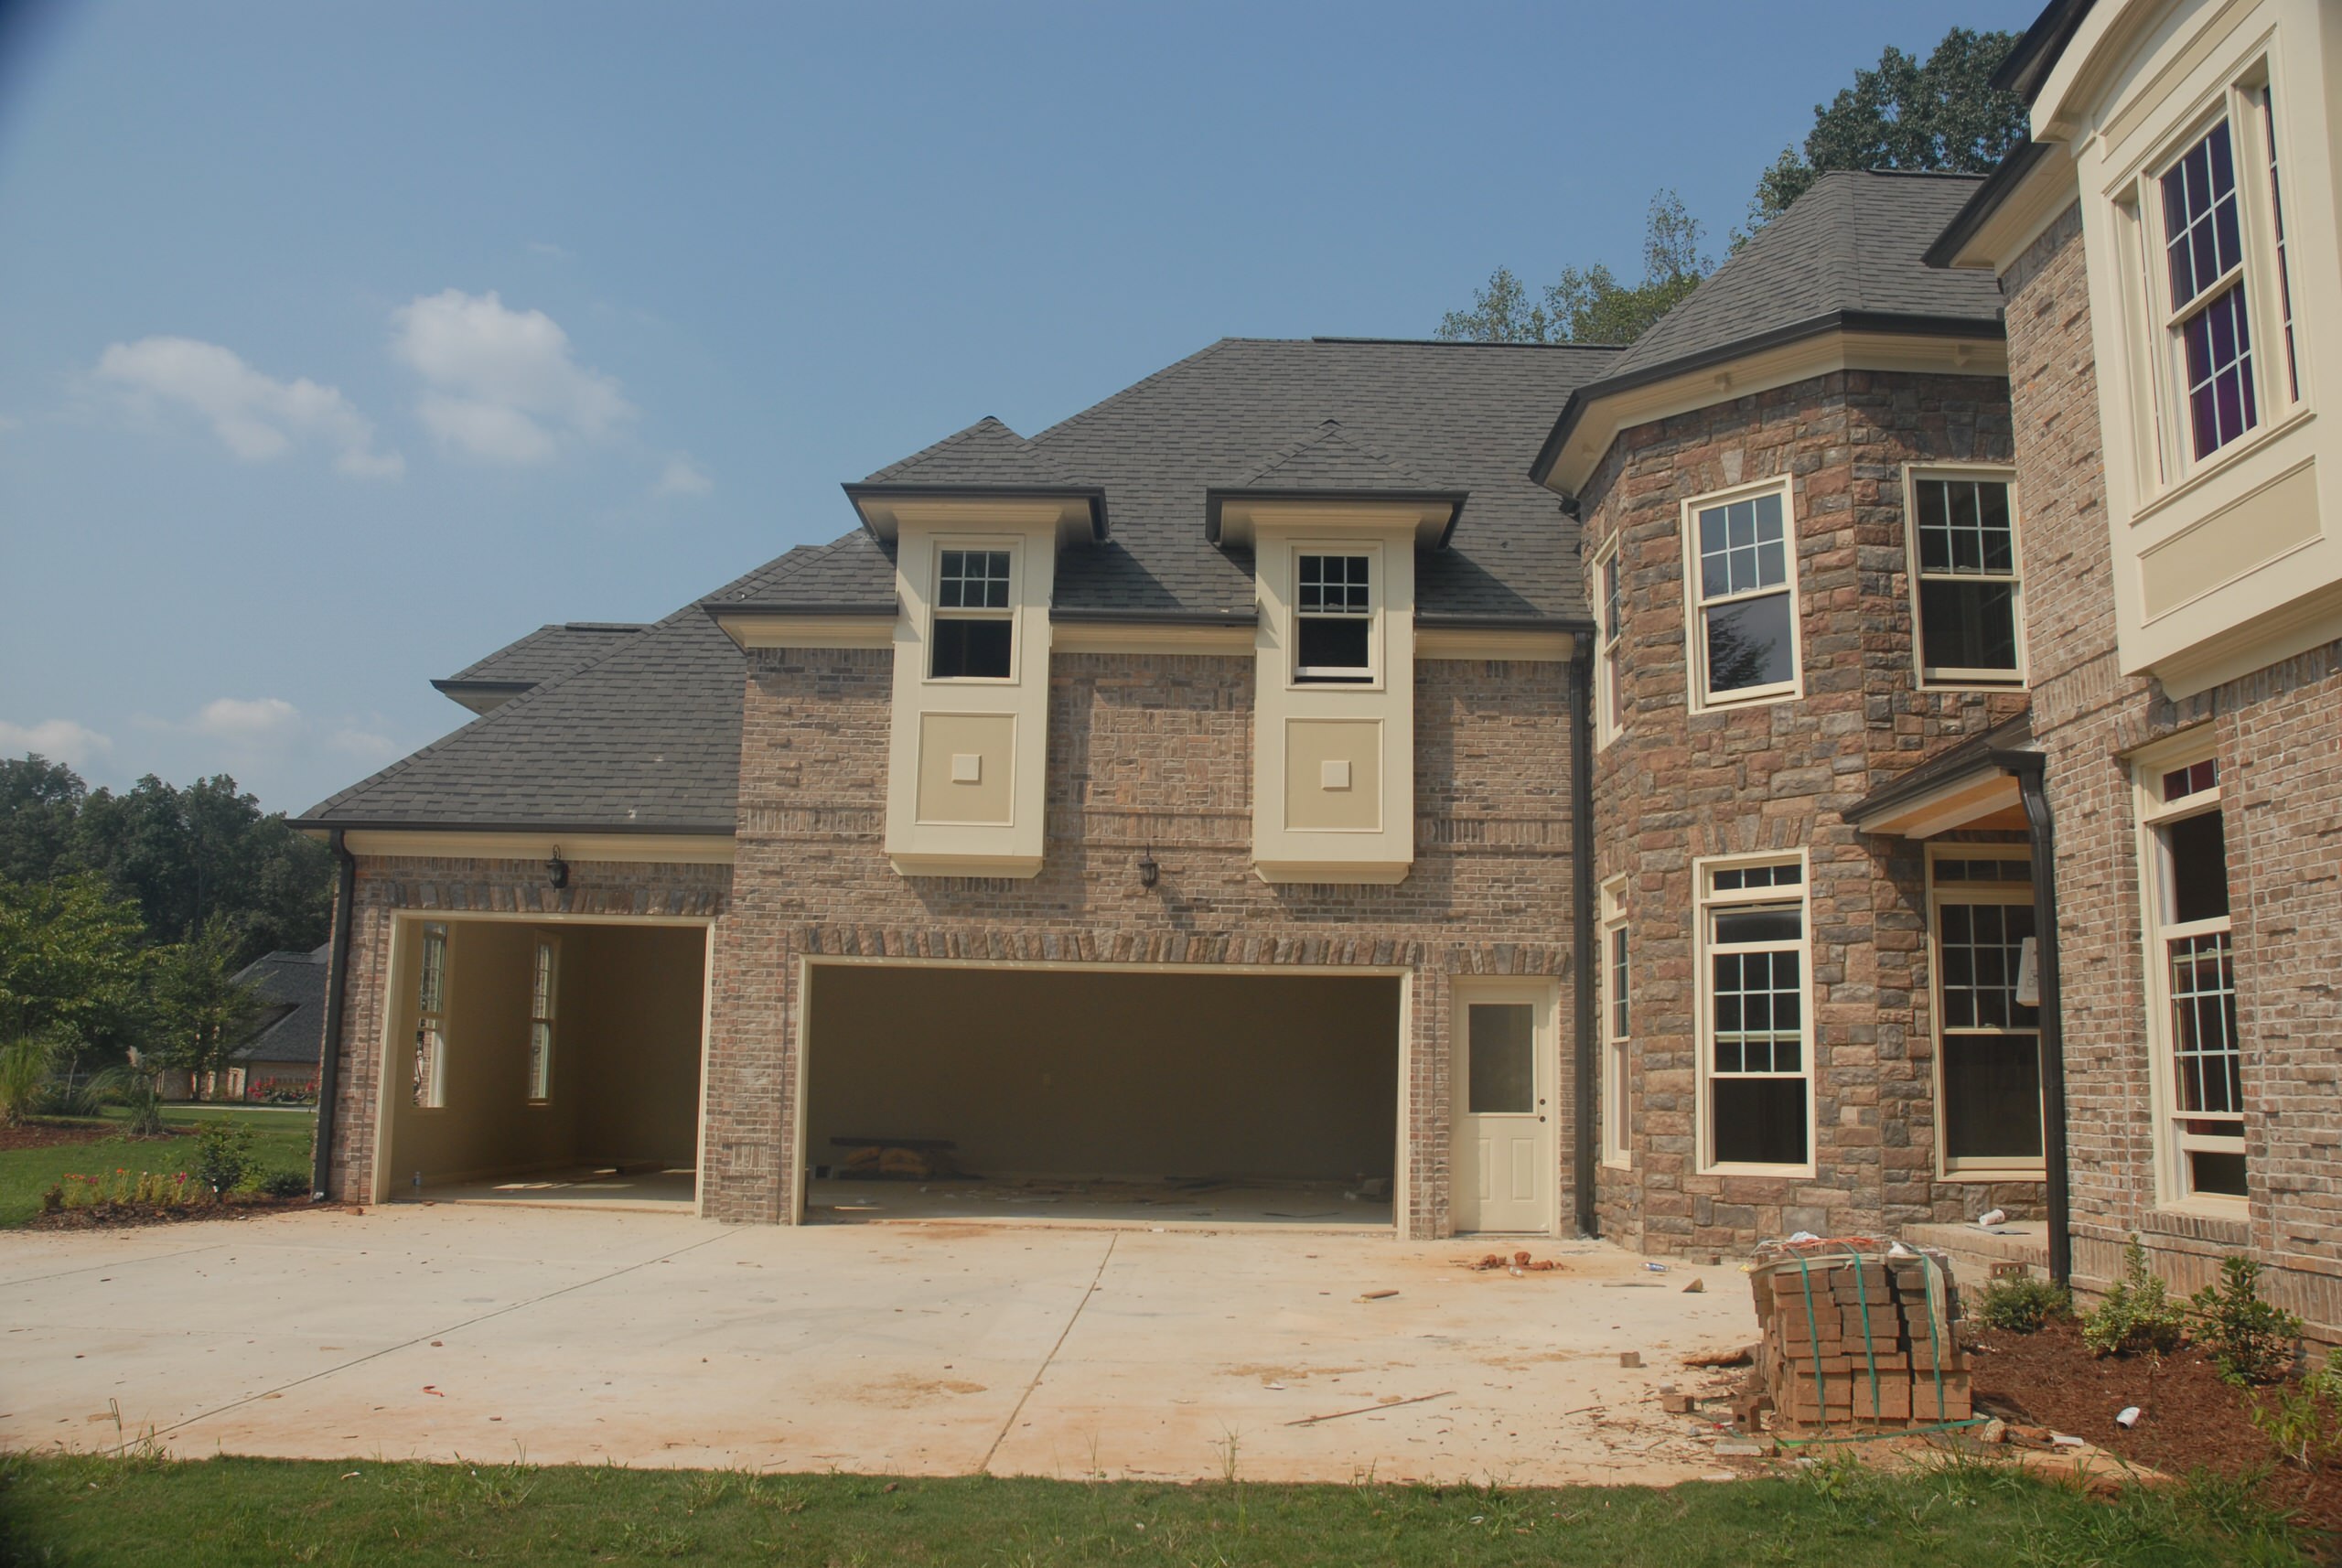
1590	304
201	1012
69	960
39	801
1942	114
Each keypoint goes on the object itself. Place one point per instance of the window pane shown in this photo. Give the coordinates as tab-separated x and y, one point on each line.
1502	1049
2208	1059
1991	1097
1618	1010
972	579
1333	585
2192	779
2200	868
1967	626
972	648
1748	644
2220	400
1761	925
2219	1173
1979	947
1758	1120
2201	237
1331	642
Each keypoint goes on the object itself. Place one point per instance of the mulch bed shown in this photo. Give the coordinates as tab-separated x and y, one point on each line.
125	1216
50	1134
2189	1418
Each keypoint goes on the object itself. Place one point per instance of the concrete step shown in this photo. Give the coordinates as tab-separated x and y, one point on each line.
1973	1250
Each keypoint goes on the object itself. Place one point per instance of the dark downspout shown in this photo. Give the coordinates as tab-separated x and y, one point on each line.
1582	920
337	1005
2028	771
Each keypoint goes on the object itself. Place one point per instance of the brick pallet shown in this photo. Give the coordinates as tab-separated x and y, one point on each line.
1854	1337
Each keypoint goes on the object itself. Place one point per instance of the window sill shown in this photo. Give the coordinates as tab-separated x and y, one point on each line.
1764	699
1992	1173
1769	1172
1618	1162
2220	463
1941	684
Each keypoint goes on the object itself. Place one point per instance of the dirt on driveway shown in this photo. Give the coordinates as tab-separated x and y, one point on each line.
561	1336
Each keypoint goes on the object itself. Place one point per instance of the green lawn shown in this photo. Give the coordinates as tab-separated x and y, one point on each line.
141	1509
280	1137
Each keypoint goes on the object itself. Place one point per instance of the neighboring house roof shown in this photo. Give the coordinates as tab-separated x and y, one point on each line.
1848	256
295	986
545	654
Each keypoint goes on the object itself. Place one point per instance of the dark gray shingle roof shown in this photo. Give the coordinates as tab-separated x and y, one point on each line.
545	654
295	986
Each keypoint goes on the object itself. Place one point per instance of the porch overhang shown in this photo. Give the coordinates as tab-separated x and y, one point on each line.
1975	785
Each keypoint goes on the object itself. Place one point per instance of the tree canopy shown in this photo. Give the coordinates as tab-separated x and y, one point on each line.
1590	304
1942	112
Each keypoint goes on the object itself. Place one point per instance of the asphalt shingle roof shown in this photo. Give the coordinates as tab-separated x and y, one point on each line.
294	984
545	654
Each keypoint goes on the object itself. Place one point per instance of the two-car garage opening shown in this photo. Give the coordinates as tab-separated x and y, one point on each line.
1178	1096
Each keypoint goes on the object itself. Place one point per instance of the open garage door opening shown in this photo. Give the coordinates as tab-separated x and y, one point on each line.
1154	1096
553	1063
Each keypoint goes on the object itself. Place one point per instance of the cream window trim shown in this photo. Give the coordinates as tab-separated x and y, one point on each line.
1707	900
1615	1001
1696	603
2181	1133
1948	678
1609	629
939	614
1328	677
2008	893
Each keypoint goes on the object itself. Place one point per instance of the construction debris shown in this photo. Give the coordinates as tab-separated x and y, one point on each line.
898	1159
1518	1263
1851	1336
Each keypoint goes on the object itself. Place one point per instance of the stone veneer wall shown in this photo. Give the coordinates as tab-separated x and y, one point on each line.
2279	734
388	887
1150	751
1674	786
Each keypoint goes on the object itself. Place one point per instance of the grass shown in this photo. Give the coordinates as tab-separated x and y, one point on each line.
281	1139
142	1509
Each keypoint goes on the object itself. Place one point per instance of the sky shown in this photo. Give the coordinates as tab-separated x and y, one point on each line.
342	343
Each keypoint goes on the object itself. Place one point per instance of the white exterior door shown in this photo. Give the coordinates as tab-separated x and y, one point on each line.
1503	1163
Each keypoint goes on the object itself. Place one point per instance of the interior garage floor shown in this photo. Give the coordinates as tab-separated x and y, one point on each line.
572	1336
1328	1205
673	1191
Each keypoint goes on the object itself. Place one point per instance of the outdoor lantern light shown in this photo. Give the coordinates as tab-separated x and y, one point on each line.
1147	870
558	869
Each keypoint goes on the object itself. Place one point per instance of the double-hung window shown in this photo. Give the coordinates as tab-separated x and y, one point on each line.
2204	258
545	990
1741	565
1617	1022
974	630
1333	618
2193	978
1609	702
1988	1039
431	1020
1963	533
1756	1050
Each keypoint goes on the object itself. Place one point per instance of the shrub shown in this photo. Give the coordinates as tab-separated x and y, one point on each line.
2023	1303
2138	1313
24	1076
224	1160
2304	1421
286	1184
2250	1341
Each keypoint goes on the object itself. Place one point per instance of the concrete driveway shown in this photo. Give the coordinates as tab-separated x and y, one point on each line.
928	1348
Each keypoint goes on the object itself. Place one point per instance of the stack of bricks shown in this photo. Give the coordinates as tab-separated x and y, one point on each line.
1858	1339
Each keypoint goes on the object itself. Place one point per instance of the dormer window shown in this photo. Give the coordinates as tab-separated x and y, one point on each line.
975	632
1333	618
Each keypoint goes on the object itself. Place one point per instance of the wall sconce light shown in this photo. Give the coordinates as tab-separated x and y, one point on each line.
558	869
1148	872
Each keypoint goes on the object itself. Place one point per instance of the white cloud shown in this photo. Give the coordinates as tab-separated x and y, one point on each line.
256	416
683	477
501	384
246	719
364	744
59	740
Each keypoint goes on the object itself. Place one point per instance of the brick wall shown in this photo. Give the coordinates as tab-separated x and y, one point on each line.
388	887
1675	786
1145	752
2279	738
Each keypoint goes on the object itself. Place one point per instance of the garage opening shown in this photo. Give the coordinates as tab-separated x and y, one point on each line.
552	1063
1166	1097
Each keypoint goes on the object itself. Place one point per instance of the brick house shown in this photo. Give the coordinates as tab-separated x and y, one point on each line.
2166	243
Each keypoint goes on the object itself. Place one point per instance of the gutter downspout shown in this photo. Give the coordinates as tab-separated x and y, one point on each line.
337	1005
1582	923
2028	768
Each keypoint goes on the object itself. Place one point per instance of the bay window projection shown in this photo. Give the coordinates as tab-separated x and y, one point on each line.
1744	593
1756	1057
431	1020
1333	618
974	636
2206	315
1964	533
1988	1045
543	990
2194	959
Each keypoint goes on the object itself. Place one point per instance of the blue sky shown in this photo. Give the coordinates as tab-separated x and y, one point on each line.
341	343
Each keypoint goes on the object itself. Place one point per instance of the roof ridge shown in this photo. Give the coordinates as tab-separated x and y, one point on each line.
1070	420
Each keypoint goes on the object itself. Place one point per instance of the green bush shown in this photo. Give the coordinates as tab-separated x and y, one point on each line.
2304	1421
2138	1313
286	1184
24	1076
2021	1304
2250	1341
224	1160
